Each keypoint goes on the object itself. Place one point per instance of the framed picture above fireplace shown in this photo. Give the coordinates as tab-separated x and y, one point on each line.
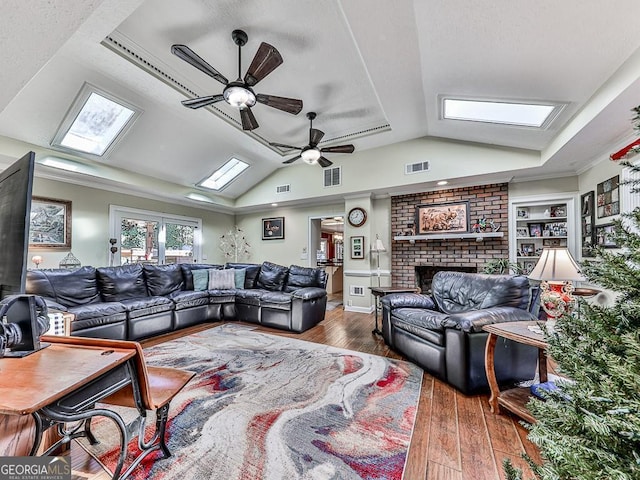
442	218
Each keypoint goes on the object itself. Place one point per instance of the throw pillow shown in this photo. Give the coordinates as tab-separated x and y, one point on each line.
240	273
200	279
221	280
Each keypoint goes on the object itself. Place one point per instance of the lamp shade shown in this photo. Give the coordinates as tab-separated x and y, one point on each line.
378	246
556	264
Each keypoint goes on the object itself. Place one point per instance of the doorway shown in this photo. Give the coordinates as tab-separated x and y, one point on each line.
326	250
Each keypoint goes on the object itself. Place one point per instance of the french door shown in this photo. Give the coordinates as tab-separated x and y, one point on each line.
150	237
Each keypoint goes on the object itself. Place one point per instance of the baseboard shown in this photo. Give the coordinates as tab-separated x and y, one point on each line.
366	310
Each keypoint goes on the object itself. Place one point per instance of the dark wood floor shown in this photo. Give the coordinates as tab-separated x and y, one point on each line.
456	436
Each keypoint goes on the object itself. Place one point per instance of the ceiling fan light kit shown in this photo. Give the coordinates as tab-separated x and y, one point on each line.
311	154
239	93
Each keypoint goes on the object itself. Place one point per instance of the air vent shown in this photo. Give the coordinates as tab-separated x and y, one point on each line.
356	291
283	188
410	168
332	177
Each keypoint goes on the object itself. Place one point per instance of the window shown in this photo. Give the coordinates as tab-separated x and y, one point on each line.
94	123
154	238
224	175
537	115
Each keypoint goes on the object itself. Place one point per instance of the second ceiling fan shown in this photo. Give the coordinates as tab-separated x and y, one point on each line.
311	154
239	93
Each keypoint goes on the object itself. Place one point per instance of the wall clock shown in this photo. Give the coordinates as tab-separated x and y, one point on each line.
357	216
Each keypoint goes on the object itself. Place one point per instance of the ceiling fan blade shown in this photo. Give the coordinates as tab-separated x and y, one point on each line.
202	101
249	122
282	145
192	58
315	136
291	160
289	105
324	162
338	149
266	60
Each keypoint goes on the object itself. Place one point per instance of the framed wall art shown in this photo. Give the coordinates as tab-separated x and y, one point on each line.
587	221
605	236
608	197
273	228
50	224
357	247
442	218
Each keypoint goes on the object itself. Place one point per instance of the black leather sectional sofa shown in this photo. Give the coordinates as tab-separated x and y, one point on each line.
138	301
442	332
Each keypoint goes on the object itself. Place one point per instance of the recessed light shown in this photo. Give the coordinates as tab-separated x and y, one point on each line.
274	204
442	182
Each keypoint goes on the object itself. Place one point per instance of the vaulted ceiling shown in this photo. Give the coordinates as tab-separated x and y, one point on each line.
374	71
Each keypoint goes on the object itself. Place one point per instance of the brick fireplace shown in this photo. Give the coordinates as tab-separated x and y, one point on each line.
489	201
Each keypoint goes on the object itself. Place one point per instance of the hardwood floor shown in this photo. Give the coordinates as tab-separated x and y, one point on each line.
456	437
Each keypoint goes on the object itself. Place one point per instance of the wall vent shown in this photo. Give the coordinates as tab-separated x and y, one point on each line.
410	168
332	176
356	291
283	188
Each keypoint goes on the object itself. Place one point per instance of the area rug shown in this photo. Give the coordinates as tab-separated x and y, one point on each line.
269	407
333	305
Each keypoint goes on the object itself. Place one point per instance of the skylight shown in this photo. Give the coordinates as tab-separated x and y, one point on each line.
225	174
508	113
94	123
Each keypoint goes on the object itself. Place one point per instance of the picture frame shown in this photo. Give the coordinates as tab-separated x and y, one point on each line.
522	213
273	228
522	232
605	236
50	224
528	249
535	229
442	218
558	211
608	197
587	221
357	247
528	266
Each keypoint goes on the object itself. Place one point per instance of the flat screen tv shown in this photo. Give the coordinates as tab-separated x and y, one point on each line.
16	184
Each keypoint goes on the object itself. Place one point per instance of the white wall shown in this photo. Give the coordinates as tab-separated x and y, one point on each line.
90	222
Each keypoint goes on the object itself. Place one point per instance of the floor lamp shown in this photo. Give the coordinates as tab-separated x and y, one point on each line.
376	248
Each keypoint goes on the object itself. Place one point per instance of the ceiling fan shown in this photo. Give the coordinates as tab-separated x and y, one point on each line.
239	93
311	154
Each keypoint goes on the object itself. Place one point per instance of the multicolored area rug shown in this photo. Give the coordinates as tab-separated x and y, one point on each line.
269	407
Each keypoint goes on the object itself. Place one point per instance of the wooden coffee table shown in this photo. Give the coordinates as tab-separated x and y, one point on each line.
514	399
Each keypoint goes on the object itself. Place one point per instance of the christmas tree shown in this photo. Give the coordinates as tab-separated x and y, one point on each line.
590	427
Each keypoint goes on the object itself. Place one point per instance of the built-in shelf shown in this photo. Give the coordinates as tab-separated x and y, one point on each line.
449	236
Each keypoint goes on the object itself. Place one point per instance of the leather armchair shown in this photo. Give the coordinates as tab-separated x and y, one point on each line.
442	332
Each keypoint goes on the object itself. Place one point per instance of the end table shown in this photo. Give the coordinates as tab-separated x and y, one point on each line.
379	292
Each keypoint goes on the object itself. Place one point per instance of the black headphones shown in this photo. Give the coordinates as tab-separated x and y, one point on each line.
11	334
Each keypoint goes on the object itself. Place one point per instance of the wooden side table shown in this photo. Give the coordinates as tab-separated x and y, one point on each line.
379	292
514	399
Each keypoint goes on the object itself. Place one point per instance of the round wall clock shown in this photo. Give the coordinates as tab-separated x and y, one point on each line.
357	216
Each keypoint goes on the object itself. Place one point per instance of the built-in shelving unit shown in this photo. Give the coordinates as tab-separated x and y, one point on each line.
538	222
449	236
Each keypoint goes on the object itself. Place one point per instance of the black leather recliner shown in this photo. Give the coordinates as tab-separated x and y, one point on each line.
443	333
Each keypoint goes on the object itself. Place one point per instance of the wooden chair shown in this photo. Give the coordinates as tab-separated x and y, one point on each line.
157	386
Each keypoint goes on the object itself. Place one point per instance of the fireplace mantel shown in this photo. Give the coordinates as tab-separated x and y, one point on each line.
449	236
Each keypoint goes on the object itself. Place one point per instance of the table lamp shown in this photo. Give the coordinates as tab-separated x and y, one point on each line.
376	248
37	260
556	269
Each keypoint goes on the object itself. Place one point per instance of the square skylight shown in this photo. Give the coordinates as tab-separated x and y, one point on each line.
225	174
507	113
95	122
